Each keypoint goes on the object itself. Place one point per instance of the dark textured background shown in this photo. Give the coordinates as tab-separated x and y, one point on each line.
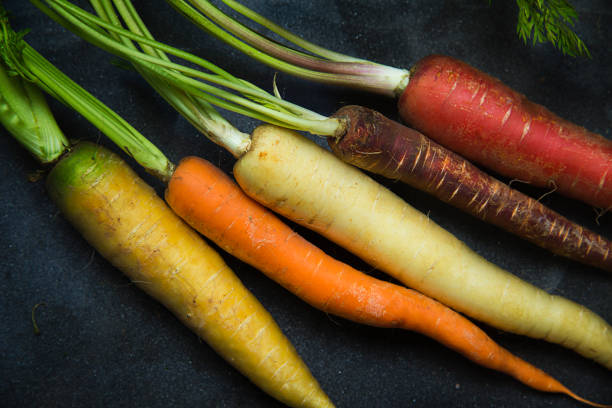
105	343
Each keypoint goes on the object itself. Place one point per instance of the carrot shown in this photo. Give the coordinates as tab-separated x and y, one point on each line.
128	224
425	256
288	173
385	147
309	185
203	116
485	121
456	105
208	200
583	245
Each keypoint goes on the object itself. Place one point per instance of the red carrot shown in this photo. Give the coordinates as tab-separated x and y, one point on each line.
485	121
215	206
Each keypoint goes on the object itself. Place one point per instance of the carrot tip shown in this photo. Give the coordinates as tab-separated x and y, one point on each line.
584	401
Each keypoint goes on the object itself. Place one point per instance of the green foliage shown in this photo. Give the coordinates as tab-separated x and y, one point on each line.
550	21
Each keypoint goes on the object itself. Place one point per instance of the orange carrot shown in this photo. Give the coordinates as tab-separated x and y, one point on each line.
214	205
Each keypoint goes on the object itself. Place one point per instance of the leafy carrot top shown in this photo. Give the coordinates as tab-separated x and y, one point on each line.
550	21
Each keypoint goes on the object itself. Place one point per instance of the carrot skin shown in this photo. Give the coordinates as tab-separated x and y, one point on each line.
377	144
124	219
209	201
485	121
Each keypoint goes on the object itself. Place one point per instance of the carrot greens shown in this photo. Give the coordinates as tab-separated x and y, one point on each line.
35	68
24	112
255	103
542	21
325	66
550	21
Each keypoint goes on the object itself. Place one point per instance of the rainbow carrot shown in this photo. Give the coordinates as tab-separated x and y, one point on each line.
426	256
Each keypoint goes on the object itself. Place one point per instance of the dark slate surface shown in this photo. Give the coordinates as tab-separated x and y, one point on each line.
105	343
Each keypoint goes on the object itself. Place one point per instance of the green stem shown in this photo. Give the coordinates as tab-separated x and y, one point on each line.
197	111
342	65
72	18
34	323
287	35
338	64
107	121
260	105
365	76
24	59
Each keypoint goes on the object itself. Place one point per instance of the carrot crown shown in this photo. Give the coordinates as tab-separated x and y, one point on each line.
21	59
191	91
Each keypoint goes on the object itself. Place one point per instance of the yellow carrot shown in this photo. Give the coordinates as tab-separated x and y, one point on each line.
123	218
